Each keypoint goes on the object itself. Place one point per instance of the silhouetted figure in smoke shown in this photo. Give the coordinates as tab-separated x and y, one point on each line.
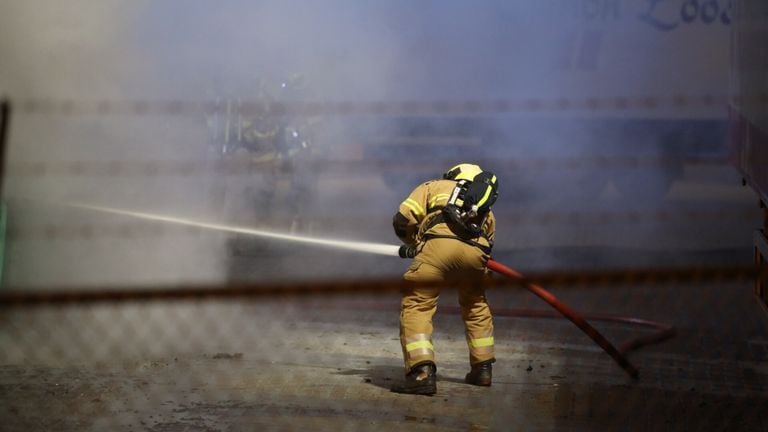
276	149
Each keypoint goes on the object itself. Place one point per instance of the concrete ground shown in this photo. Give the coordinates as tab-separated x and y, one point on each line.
327	363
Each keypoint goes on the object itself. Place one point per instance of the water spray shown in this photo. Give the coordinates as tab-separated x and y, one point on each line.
392	250
373	248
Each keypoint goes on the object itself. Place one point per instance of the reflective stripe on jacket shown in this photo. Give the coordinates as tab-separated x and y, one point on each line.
414	219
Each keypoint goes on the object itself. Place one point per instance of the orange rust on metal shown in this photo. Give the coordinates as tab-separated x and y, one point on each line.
22	296
14	297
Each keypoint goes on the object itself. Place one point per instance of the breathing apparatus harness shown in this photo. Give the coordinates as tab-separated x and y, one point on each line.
468	205
470	202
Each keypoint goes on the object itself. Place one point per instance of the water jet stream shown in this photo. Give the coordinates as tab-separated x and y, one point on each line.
374	248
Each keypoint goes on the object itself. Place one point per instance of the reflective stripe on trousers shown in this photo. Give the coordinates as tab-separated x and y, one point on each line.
417	348
440	260
480	345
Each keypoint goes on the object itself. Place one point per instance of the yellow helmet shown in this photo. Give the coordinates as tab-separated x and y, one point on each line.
463	171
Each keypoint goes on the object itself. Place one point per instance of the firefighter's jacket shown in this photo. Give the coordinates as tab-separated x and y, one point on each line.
420	217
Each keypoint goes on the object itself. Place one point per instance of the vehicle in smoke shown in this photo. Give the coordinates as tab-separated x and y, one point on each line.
573	96
748	133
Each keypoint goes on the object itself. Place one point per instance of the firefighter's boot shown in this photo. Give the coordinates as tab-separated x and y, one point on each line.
420	380
481	374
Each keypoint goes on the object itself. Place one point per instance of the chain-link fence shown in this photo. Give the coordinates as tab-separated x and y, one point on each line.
196	224
143	290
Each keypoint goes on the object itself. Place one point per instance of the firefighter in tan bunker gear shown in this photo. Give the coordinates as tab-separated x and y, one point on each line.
447	227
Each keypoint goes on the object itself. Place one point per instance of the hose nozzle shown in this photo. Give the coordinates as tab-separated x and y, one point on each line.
406	251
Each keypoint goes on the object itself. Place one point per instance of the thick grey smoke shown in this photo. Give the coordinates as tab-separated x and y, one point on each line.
564	53
87	51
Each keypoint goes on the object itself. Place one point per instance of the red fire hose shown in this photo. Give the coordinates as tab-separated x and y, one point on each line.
665	331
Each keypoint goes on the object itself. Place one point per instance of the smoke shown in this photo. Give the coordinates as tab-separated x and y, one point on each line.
564	53
86	51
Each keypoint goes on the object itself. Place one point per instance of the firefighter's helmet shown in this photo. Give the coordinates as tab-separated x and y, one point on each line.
462	171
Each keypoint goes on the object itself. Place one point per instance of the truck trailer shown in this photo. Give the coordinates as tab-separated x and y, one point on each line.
748	125
563	96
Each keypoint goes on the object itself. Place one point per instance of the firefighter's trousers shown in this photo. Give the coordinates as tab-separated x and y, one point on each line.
453	262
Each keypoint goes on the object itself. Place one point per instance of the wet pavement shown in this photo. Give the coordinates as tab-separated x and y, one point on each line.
327	363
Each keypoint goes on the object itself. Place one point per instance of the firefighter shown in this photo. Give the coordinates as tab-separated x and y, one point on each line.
280	144
447	227
259	146
297	151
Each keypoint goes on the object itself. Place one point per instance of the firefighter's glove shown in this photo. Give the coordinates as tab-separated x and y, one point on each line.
406	251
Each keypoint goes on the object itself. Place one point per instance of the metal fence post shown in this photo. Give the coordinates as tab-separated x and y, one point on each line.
5	119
